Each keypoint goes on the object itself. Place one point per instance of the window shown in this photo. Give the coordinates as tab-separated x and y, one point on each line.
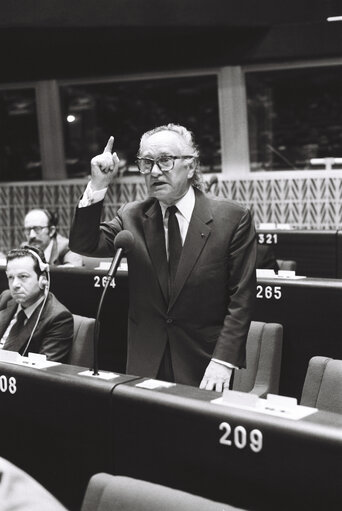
19	144
93	112
294	115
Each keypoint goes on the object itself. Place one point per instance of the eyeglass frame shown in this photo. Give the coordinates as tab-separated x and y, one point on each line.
156	161
36	228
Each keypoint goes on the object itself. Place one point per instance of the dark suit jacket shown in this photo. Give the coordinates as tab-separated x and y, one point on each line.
209	313
53	335
61	253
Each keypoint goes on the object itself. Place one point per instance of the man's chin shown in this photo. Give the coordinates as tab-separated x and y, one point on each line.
19	298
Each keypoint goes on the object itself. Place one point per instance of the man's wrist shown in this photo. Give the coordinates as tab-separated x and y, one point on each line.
226	364
91	196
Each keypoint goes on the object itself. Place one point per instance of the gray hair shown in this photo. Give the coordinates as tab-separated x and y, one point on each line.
188	138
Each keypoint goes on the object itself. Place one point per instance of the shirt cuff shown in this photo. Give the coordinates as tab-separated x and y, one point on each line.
91	196
227	364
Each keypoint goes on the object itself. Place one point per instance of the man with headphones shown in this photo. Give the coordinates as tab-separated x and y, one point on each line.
31	318
40	228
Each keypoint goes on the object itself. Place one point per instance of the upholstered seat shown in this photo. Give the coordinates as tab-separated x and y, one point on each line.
115	493
322	387
264	347
81	353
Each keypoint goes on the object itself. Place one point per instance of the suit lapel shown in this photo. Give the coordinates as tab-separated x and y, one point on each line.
196	238
155	242
6	315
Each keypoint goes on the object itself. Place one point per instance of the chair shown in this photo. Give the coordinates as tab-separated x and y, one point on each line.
287	265
116	493
322	387
20	492
264	347
81	353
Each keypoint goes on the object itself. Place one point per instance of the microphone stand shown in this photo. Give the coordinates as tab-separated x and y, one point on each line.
110	275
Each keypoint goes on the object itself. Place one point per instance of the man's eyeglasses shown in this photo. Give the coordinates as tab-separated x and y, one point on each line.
164	163
36	228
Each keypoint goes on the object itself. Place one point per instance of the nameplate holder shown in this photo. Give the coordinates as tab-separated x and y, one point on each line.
278	406
286	273
11	357
35	360
103	375
236	398
265	273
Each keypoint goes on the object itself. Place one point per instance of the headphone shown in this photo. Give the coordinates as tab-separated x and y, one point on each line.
43	282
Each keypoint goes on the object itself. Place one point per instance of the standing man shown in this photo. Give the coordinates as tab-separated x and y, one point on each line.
40	228
31	318
192	267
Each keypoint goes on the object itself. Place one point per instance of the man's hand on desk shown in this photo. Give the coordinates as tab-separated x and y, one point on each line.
104	167
216	377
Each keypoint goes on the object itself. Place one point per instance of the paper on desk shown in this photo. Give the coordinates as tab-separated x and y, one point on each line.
154	384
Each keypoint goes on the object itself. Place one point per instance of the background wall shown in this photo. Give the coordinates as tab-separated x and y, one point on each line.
302	202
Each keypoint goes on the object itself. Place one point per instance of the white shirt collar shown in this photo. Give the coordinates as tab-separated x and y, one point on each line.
185	205
48	250
31	308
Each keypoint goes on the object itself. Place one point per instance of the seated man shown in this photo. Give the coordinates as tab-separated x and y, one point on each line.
31	318
41	231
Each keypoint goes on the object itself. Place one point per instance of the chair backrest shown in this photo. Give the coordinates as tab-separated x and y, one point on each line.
322	387
287	264
116	493
81	353
263	360
20	492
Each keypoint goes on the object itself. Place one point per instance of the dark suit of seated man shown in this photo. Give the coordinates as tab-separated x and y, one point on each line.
31	318
191	269
40	228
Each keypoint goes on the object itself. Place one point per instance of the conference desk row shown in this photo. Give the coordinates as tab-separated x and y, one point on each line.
309	310
62	427
317	253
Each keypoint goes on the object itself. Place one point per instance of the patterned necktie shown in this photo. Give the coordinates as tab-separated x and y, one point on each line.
175	243
17	327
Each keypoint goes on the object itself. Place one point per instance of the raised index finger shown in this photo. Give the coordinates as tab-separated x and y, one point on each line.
109	146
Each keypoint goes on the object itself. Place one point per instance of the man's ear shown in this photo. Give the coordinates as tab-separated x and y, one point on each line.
192	165
52	231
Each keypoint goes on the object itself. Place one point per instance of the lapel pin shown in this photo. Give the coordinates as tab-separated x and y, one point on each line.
202	235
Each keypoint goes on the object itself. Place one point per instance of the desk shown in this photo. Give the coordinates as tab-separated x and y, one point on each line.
308	309
310	312
54	425
61	428
172	437
315	252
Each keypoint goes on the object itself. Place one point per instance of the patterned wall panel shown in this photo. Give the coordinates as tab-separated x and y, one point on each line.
305	203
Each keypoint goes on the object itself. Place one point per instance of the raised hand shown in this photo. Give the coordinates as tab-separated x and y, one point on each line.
104	167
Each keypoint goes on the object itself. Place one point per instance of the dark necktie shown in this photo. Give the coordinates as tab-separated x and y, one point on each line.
17	327
175	243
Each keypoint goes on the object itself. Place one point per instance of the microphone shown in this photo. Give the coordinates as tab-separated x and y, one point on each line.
123	243
209	184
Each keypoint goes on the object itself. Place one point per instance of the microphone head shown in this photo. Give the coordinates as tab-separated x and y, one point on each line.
125	240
